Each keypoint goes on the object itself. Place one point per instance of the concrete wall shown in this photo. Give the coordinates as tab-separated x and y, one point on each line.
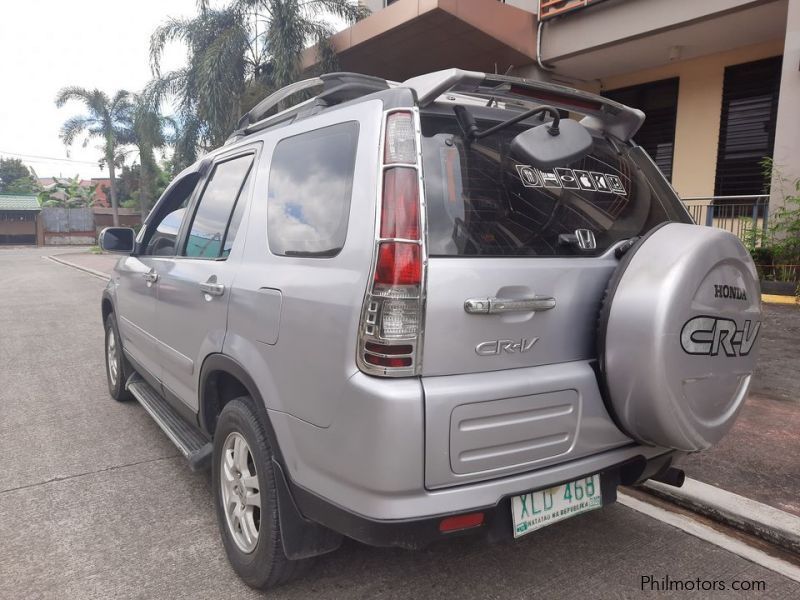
529	5
613	21
699	110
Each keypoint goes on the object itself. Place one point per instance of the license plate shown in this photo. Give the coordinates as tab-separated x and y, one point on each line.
538	509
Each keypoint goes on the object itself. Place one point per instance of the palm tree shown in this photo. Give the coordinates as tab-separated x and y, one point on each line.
147	132
107	119
239	53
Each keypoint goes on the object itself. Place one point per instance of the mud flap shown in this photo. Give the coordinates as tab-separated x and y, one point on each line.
300	537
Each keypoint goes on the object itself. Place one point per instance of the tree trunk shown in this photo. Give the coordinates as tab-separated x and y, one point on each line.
113	188
144	187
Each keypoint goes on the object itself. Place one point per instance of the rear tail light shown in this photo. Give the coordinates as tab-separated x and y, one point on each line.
461	522
399	263
400	207
400	142
390	327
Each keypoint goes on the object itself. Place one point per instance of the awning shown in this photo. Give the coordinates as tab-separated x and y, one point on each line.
411	37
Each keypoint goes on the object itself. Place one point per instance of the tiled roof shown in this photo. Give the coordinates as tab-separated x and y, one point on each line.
10	202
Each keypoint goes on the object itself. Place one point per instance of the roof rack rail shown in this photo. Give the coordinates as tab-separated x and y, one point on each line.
336	88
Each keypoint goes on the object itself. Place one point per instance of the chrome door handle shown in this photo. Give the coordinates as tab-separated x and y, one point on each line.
493	306
150	277
212	289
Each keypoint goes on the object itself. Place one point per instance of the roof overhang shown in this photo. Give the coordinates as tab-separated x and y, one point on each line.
411	37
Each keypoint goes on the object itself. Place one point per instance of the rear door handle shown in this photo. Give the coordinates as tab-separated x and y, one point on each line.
494	306
150	276
211	288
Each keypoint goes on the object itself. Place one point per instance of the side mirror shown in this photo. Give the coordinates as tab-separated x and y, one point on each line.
545	148
117	239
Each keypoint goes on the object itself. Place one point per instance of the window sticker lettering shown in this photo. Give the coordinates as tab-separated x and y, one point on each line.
585	180
528	176
568	179
550	179
601	183
561	177
616	185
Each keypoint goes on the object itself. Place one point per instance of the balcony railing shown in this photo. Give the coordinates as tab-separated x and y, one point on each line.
745	216
553	8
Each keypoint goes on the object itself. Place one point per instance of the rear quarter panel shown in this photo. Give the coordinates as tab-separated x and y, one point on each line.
292	321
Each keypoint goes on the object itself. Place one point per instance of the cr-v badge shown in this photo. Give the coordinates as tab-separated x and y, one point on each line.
707	335
497	347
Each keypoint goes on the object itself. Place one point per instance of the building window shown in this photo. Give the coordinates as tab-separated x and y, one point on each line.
747	126
659	102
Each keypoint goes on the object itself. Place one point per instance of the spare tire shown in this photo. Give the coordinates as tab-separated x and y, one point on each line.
678	336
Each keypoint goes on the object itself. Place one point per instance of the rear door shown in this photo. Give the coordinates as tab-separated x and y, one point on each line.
194	285
519	257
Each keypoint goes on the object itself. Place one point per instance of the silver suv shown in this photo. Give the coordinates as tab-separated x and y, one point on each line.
402	312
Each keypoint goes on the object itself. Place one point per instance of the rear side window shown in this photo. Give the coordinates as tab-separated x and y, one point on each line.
310	184
482	201
209	236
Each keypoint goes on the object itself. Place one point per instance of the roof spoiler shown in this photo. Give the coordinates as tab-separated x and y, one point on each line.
602	114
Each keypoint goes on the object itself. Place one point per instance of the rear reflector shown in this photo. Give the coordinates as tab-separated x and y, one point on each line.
400	214
400	144
388	361
398	264
387	349
461	522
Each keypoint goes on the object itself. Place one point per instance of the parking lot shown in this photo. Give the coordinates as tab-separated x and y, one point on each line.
96	503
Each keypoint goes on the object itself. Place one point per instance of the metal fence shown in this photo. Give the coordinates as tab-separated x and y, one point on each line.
745	216
68	225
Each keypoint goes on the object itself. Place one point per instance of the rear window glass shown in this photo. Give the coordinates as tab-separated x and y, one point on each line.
310	183
482	201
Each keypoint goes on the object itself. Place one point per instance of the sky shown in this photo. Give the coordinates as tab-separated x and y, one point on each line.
48	44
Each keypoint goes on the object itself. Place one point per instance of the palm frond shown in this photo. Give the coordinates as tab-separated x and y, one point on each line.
73	127
73	93
172	30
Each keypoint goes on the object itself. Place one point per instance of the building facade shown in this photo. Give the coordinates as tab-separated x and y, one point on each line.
718	79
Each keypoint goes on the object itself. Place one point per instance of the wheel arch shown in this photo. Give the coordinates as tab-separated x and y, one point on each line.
222	379
106	305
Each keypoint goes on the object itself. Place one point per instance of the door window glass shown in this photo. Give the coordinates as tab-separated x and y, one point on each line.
310	184
206	237
162	235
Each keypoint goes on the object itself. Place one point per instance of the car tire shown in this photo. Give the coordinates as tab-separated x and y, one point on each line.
243	457
117	366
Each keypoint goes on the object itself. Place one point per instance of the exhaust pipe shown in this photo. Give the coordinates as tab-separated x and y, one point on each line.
671	476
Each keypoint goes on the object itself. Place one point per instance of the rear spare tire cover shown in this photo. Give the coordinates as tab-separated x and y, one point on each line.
678	336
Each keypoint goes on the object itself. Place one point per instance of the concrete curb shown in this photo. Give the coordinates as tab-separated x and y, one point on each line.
95	272
775	299
771	524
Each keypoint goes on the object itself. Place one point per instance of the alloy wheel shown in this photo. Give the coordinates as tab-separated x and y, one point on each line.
241	499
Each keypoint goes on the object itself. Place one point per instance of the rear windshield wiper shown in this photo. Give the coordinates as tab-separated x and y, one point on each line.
471	131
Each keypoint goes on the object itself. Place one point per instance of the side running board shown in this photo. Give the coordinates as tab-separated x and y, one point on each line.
195	446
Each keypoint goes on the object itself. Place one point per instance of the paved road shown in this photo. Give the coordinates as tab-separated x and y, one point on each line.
95	502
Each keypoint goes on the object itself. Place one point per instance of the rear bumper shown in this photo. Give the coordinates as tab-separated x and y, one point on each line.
374	456
416	533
